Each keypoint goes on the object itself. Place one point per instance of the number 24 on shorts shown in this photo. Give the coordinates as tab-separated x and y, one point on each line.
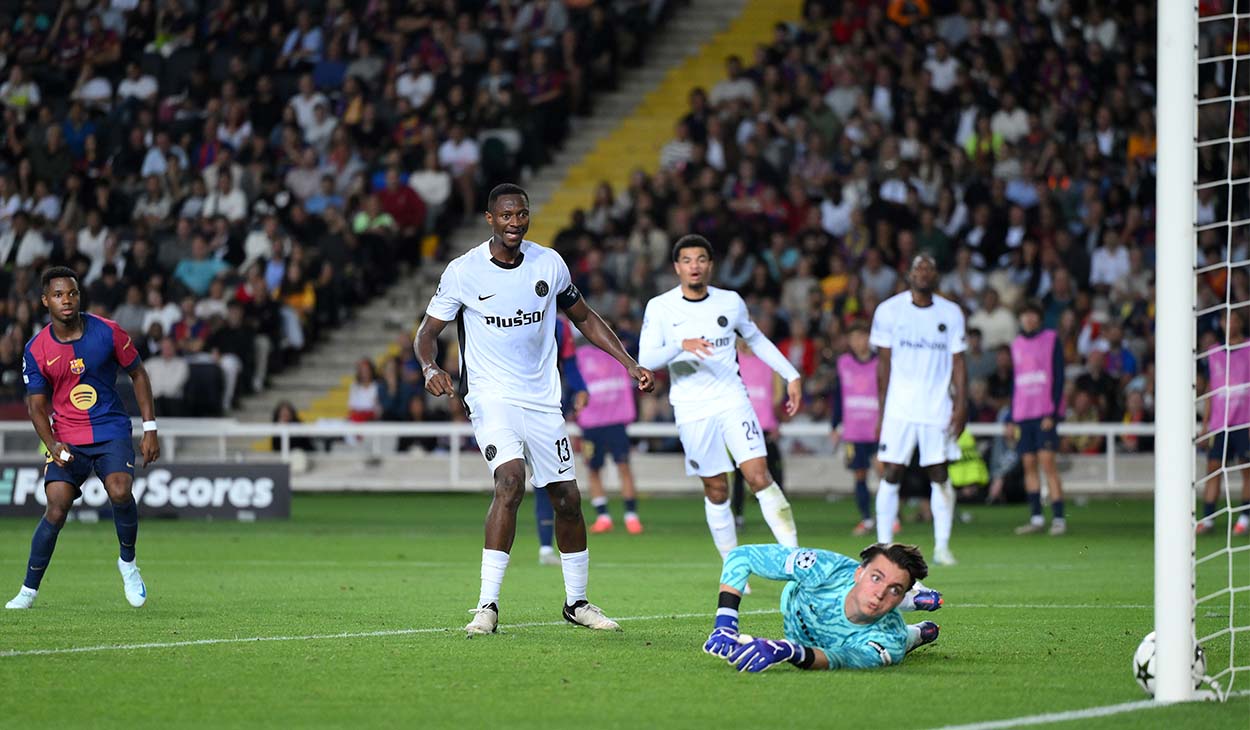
752	429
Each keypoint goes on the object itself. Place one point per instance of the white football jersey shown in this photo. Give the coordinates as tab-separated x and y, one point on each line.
506	320
922	343
703	387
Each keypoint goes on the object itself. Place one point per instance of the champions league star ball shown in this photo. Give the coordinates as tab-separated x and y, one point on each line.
1144	665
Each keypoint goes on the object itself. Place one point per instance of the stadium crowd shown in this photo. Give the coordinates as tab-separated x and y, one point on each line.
232	179
1014	142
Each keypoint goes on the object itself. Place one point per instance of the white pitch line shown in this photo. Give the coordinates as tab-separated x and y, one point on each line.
1068	716
320	637
315	564
435	630
1043	606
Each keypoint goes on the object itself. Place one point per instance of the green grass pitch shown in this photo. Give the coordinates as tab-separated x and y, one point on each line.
1032	625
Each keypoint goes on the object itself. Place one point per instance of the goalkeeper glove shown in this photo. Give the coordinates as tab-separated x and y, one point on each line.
760	654
724	637
721	642
927	599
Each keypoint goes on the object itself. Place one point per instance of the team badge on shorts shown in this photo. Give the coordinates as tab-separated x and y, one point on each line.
694	463
722	320
541	288
490	452
941	326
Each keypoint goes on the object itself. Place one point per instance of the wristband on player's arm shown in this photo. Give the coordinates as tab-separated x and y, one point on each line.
804	657
727	611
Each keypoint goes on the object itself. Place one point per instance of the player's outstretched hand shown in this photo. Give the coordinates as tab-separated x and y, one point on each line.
794	393
700	346
150	447
438	382
645	378
60	453
721	642
760	654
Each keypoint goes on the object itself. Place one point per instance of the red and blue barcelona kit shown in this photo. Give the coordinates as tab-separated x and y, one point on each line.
79	378
87	413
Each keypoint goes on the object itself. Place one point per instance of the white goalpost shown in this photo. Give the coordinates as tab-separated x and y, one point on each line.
1175	255
1202	588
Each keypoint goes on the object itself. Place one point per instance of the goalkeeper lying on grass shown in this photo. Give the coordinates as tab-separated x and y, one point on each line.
837	613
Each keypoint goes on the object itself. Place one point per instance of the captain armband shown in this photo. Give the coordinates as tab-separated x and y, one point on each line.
568	297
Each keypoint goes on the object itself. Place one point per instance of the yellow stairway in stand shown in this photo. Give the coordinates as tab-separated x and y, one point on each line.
636	142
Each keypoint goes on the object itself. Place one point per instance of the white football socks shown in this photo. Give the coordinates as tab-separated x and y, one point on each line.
576	567
942	503
778	515
887	511
720	520
494	564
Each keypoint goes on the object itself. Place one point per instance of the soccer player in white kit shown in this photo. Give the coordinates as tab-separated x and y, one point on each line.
693	330
503	295
922	385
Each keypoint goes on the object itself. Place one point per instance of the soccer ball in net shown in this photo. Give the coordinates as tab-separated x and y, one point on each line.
1144	665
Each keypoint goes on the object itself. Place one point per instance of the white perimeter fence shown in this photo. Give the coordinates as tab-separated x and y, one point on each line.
364	456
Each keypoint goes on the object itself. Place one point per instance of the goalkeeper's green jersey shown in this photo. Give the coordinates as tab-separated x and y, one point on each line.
811	604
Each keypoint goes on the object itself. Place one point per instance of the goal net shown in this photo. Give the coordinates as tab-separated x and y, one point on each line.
1219	230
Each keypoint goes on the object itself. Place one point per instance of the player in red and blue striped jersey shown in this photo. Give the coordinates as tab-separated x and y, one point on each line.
70	368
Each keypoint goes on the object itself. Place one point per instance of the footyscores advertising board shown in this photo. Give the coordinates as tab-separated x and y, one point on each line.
184	490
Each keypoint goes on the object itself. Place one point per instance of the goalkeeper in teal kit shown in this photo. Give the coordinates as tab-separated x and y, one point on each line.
838	613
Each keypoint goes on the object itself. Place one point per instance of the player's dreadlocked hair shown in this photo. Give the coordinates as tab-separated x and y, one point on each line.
56	272
907	557
503	189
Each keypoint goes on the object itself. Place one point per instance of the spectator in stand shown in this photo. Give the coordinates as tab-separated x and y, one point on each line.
997	324
394	392
364	399
285	412
408	210
198	271
433	185
169	374
459	156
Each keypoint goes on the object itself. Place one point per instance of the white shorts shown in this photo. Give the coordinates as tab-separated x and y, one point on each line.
710	441
505	432
899	440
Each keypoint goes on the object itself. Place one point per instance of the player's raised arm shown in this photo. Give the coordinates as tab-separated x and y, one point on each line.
601	335
765	350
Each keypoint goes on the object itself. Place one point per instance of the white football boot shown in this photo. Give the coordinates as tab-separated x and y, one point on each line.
585	613
136	591
485	620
